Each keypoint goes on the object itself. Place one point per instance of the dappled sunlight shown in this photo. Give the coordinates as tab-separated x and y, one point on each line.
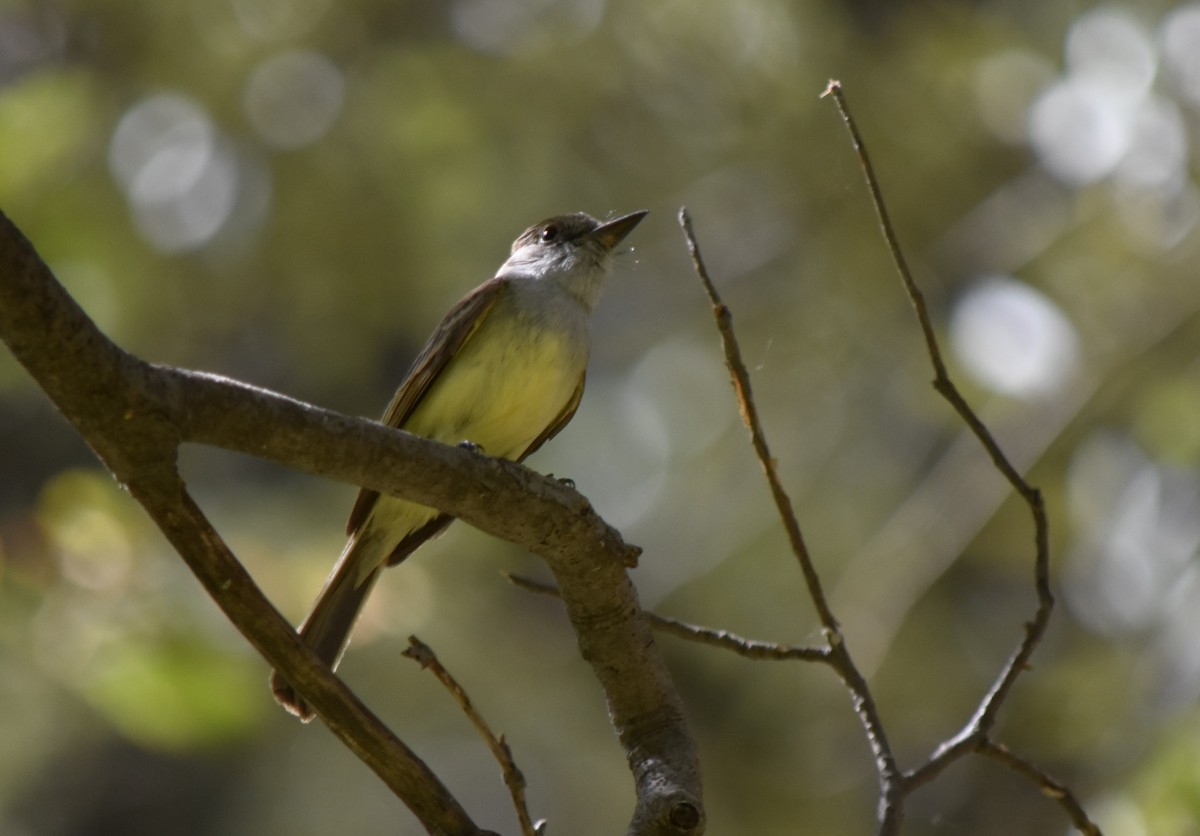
1134	574
294	98
179	174
1103	120
1083	125
276	19
521	25
1180	41
1013	339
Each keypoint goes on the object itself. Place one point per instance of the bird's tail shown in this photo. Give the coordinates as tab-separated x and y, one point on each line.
327	628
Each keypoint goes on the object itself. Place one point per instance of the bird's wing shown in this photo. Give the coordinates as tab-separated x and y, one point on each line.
438	524
456	329
568	412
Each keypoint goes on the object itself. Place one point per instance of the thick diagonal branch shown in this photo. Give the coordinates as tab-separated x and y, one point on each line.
135	415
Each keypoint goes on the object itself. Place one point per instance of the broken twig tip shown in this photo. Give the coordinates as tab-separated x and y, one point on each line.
419	652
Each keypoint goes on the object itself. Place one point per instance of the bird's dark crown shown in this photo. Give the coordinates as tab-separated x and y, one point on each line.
560	229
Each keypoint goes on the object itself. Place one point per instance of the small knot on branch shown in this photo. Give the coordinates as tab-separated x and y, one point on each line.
684	817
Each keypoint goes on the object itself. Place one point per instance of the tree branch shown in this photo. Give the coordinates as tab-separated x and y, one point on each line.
975	735
186	527
749	648
895	785
891	785
134	415
985	718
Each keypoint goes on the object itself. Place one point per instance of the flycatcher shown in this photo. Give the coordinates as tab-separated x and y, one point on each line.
504	371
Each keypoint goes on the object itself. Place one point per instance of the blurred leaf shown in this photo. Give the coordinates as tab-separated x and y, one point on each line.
47	120
174	692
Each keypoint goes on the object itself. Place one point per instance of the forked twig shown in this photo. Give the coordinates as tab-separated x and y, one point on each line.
750	648
985	717
974	736
423	654
891	780
895	785
740	378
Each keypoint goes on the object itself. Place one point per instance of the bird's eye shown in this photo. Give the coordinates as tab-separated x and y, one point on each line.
550	233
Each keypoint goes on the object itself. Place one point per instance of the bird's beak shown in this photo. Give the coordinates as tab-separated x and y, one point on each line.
610	233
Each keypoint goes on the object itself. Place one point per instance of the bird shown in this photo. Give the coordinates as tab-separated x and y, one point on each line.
502	373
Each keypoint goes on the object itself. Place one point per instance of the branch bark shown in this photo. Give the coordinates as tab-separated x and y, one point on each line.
135	415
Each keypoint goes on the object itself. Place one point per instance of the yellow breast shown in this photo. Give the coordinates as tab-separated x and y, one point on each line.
506	385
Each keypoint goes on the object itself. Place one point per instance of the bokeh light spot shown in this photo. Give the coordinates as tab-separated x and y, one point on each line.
1139	537
1157	155
1180	40
294	98
1078	131
1013	339
514	26
278	19
1110	47
1083	125
179	175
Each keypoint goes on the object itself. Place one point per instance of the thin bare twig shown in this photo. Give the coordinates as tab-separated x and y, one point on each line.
890	777
1050	787
740	378
974	736
750	648
423	654
985	717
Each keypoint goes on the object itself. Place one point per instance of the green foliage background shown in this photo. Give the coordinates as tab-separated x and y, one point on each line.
376	159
